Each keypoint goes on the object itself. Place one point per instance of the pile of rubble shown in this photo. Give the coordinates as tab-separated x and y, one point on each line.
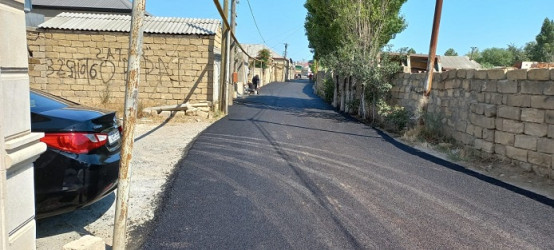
202	110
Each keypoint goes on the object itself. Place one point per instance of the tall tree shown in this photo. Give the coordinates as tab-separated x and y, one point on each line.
348	35
518	54
495	57
450	52
544	50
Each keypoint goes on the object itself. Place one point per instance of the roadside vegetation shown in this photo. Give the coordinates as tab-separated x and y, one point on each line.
349	40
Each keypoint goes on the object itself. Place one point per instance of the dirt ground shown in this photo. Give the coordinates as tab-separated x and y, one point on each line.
500	170
157	149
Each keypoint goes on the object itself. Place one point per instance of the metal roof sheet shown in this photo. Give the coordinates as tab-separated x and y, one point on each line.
122	23
102	4
253	49
458	62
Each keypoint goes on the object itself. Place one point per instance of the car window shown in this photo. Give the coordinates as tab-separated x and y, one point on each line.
40	103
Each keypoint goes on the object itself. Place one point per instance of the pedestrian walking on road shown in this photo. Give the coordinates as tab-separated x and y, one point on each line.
256	81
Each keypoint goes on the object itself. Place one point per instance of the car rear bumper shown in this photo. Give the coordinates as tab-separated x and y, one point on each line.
65	181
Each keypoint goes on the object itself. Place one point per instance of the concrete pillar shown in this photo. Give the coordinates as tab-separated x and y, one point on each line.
18	146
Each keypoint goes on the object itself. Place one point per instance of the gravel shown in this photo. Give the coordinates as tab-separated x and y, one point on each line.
157	150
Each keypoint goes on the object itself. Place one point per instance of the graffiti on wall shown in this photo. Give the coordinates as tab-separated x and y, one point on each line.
107	62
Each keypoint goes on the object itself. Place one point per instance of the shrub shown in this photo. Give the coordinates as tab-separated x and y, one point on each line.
329	89
395	118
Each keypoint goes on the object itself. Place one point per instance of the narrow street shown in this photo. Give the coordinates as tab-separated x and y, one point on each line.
285	171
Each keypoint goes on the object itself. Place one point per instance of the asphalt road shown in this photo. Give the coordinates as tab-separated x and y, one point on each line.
285	171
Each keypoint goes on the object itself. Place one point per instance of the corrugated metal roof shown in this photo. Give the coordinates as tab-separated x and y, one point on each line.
458	62
101	4
122	23
253	49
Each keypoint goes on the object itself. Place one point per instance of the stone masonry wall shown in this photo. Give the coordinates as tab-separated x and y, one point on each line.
90	67
507	114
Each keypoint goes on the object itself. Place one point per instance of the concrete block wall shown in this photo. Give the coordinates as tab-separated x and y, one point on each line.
90	67
508	114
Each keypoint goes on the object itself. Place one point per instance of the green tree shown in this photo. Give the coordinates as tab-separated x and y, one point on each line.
518	54
543	50
348	35
495	57
450	52
263	59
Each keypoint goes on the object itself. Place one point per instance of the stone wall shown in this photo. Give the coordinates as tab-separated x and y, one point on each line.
507	114
90	67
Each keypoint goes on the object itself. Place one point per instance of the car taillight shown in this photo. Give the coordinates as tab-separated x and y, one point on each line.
75	142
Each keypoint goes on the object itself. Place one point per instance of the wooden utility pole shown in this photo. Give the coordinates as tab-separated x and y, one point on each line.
224	62
129	120
287	63
231	54
433	47
233	26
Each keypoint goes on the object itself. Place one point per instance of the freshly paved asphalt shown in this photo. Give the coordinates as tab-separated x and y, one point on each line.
285	171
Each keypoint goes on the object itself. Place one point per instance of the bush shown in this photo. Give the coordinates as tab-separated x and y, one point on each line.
395	118
329	89
432	129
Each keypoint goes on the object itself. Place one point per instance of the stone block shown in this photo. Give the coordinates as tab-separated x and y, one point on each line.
477	132
549	117
542	102
482	121
500	149
517	74
532	115
548	87
513	113
461	73
526	142
532	87
493	98
477	85
507	86
504	138
488	135
552	78
497	74
551	131
536	129
540	159
490	110
516	153
512	126
481	74
86	242
484	145
470	74
489	86
517	100
545	145
538	74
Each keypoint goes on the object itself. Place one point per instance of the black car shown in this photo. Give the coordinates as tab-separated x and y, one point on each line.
81	163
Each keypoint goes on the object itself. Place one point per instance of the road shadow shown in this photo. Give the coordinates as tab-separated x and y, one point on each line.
75	221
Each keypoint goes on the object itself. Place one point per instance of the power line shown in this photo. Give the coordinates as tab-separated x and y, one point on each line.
255	23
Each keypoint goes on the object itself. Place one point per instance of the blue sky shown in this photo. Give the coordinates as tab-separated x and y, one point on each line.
464	24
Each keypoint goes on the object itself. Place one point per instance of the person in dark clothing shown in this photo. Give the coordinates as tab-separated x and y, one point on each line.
256	81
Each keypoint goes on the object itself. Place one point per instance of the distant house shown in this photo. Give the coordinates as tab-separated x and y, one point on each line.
276	71
45	9
417	63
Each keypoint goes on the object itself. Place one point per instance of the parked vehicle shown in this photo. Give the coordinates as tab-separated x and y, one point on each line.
81	163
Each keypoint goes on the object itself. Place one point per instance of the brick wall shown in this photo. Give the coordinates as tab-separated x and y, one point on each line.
90	67
508	114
